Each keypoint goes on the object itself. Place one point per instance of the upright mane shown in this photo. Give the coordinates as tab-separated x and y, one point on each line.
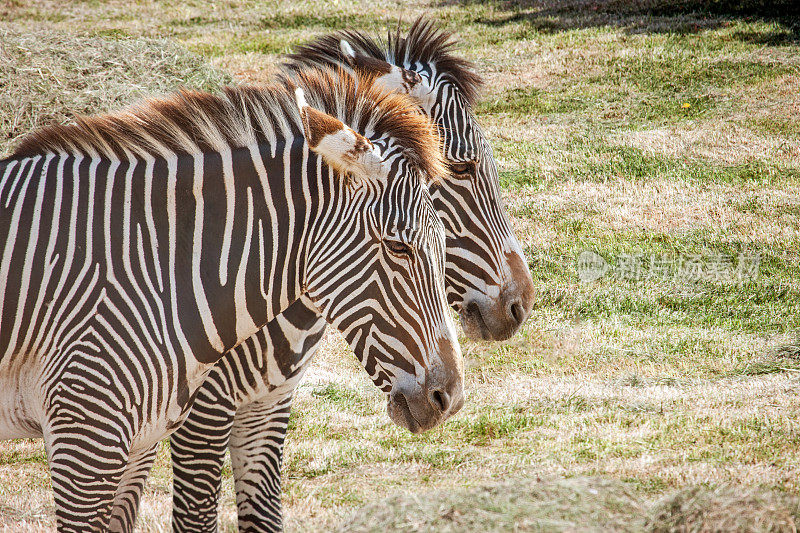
196	122
425	43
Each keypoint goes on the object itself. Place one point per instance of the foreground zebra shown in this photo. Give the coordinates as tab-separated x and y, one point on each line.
137	248
487	281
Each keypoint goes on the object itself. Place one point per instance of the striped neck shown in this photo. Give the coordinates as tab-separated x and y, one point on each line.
248	228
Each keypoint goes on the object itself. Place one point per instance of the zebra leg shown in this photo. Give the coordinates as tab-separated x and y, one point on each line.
198	451
129	492
256	453
87	464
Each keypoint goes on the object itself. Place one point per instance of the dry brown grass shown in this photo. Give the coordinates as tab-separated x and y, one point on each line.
675	432
531	505
621	204
49	76
678	399
696	510
578	504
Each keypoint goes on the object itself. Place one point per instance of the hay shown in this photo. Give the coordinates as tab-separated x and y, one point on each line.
579	504
790	350
586	504
698	509
50	76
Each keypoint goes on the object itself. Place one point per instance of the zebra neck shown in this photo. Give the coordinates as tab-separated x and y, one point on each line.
244	243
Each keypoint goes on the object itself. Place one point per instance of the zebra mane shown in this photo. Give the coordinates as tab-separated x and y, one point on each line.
425	43
194	122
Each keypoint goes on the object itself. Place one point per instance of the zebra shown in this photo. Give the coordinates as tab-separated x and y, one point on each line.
138	247
486	276
489	283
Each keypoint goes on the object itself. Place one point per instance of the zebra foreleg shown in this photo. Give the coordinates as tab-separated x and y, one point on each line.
86	467
256	455
129	492
198	452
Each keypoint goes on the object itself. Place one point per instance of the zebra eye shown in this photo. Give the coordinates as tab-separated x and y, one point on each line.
463	168
399	248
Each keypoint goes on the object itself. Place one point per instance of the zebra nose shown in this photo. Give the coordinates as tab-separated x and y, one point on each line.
446	403
440	400
517	313
519	292
445	380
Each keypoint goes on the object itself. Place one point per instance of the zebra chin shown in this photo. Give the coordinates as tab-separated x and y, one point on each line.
421	407
484	321
411	413
497	318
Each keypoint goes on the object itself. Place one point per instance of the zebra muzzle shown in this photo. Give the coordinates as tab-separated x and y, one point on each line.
419	408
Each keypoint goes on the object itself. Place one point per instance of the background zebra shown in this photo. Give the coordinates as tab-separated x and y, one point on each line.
487	281
138	247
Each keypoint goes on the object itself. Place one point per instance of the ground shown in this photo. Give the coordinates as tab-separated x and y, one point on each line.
656	140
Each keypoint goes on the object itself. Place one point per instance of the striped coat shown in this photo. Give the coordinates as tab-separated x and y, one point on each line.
137	248
486	274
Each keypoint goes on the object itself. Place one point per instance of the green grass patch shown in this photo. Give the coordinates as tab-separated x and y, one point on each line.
497	424
644	80
590	158
766	304
342	397
526	101
267	43
272	43
31	453
776	125
730	308
329	21
648	484
675	71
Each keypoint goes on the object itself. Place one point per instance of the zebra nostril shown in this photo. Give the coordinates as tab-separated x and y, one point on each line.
517	312
440	400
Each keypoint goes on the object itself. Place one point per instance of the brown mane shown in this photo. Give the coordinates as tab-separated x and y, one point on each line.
425	43
193	121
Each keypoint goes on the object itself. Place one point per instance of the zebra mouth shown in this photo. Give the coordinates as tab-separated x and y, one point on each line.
401	414
491	322
473	323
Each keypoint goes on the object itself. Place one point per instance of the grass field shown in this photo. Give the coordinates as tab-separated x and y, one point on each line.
661	136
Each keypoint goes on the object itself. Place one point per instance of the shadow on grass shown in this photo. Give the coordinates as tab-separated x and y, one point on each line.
648	16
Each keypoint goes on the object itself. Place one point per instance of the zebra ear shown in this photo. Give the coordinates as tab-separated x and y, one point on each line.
340	147
390	77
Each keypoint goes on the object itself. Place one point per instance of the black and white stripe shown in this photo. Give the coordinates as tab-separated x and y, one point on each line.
478	275
137	248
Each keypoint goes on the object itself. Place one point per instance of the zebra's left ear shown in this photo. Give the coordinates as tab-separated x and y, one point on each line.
390	77
340	146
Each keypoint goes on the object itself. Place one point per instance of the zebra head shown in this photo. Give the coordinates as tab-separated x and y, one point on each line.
488	281
382	286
